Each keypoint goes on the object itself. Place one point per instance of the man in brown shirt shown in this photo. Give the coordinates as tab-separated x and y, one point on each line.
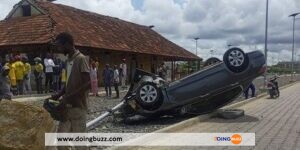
74	95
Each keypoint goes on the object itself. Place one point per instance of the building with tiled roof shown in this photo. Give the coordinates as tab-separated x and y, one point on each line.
32	25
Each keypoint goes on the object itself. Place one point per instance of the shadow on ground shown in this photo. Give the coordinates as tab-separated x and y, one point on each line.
246	118
163	120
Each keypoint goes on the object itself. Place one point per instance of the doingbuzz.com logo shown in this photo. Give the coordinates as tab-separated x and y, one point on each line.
234	139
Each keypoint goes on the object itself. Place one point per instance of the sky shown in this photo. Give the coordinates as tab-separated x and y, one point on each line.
217	23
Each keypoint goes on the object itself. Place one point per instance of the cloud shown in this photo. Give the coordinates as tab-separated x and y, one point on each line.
6	6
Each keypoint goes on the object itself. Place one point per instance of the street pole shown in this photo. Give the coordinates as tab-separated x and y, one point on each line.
293	47
266	40
198	63
197	47
196	39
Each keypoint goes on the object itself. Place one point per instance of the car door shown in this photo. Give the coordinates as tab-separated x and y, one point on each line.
199	85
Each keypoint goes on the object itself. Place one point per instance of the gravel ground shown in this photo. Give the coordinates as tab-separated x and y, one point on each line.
98	105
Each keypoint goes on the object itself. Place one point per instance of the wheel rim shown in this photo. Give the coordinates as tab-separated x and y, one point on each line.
236	58
148	93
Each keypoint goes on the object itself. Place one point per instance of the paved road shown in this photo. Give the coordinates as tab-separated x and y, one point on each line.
275	122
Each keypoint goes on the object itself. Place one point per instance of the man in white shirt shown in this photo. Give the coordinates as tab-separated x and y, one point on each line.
123	73
49	64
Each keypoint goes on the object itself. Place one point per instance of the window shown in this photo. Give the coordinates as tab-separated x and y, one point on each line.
26	10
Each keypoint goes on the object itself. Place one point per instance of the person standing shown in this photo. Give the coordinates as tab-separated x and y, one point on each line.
12	75
56	74
5	92
153	70
123	73
49	64
116	81
246	92
108	75
97	63
177	72
20	72
27	74
38	74
162	71
94	79
73	97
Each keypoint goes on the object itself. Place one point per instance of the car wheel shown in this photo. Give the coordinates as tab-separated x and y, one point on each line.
149	96
236	60
211	61
231	113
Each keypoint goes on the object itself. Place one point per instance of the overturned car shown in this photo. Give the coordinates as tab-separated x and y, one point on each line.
201	92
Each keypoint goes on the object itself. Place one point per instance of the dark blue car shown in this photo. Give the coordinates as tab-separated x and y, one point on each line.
201	92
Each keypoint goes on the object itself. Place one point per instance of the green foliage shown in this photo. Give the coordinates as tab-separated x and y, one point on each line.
185	67
279	70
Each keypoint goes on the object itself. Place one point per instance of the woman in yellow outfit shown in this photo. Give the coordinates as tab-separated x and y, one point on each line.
38	74
19	72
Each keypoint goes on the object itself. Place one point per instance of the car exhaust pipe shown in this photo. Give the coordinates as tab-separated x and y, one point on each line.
92	124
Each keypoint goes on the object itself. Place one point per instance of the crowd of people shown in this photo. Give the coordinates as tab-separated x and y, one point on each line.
16	75
53	72
112	77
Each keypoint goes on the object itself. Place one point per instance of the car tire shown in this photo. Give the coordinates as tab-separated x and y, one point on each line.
211	61
149	96
236	60
231	113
